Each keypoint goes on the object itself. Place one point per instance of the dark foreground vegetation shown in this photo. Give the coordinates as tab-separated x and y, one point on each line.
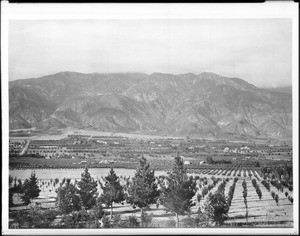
79	205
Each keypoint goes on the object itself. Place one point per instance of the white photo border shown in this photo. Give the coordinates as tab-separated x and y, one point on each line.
94	11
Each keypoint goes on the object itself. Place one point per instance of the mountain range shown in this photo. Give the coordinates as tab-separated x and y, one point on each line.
284	89
204	105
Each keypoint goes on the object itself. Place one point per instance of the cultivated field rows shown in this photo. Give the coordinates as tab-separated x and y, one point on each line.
264	210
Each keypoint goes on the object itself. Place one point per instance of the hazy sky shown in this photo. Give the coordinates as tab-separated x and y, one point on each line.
257	50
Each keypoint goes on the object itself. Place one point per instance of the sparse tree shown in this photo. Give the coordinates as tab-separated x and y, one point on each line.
177	195
209	160
142	190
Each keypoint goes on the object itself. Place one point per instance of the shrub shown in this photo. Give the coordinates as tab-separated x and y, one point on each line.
231	191
171	223
35	217
84	218
221	187
146	219
266	184
276	198
204	191
199	196
259	193
244	184
273	194
130	222
189	222
210	187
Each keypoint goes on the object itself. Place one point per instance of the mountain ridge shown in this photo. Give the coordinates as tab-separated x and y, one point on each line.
206	104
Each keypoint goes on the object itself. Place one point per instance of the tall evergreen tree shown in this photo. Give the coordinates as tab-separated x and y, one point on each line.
142	190
217	207
30	189
68	198
87	188
177	194
112	191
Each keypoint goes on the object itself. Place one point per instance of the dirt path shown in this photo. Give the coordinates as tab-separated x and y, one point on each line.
24	149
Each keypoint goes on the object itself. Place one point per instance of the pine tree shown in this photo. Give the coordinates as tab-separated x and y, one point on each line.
142	190
217	207
112	191
87	189
68	198
177	195
30	189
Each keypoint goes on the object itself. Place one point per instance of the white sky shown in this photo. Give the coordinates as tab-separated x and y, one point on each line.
256	50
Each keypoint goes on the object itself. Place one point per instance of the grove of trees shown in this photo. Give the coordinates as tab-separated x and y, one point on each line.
80	204
27	190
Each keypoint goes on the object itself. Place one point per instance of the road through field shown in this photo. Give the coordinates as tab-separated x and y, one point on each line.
24	149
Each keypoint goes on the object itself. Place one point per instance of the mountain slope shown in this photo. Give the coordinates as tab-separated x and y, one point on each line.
187	104
285	89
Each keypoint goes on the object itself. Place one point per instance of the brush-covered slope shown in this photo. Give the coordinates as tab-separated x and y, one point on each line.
202	105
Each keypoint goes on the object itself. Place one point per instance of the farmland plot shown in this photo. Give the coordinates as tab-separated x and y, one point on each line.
264	210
